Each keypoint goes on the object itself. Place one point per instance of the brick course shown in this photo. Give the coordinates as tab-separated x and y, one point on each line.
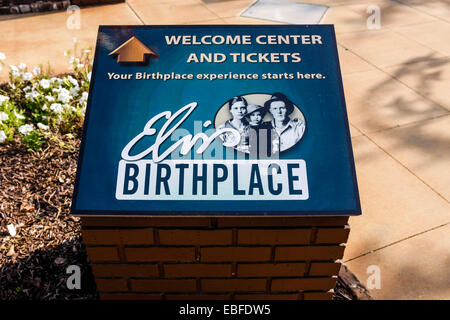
215	258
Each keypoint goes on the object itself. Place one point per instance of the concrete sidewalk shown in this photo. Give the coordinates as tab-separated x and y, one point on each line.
396	82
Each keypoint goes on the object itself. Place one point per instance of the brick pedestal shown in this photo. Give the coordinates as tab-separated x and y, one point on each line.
215	258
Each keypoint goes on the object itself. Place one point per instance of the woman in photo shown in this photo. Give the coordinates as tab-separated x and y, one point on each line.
289	131
238	110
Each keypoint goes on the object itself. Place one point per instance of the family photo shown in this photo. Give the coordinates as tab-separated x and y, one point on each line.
267	124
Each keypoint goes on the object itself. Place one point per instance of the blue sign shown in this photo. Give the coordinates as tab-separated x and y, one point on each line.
220	120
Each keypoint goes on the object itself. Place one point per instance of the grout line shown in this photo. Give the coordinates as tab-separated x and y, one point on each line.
392	77
421	11
405	167
398	241
135	13
409	124
212	12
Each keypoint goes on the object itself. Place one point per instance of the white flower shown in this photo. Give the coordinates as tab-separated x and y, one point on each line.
49	98
33	94
2	136
64	95
44	107
27	76
80	65
14	71
2	56
19	116
87	51
44	83
22	66
3	116
74	91
36	71
77	60
27	88
84	96
89	75
72	80
56	107
3	99
42	126
55	79
26	129
57	89
71	59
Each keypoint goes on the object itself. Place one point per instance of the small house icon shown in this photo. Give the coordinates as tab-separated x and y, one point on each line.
133	51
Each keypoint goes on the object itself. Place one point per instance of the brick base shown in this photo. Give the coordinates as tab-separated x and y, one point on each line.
215	258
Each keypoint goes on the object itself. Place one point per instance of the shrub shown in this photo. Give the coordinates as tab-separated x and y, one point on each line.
35	107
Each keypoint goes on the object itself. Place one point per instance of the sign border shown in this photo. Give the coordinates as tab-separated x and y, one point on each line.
199	214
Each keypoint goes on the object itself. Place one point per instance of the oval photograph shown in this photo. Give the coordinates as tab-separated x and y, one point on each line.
260	124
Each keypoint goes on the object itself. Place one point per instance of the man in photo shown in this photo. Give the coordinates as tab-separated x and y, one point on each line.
289	131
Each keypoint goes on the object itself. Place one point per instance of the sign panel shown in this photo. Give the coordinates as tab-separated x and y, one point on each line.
216	120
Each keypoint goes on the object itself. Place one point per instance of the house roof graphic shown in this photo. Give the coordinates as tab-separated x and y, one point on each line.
132	51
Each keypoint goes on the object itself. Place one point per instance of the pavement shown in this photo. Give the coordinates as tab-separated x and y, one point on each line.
396	82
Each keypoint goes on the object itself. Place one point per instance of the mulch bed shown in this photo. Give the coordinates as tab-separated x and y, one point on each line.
35	195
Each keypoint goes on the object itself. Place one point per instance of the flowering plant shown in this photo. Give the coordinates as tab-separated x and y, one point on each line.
35	106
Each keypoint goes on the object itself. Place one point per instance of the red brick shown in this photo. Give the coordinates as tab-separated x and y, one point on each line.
130	296
318	296
220	254
197	270
309	253
103	254
197	296
117	236
160	254
195	237
144	285
111	285
270	236
137	236
332	235
125	270
92	237
271	270
259	296
303	284
227	222
172	222
233	285
324	269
